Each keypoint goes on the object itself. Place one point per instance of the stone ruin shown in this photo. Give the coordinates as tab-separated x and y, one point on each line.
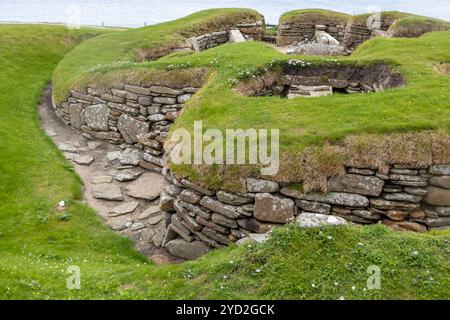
192	220
328	36
311	80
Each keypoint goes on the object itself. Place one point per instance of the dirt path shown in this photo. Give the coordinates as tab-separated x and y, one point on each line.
136	217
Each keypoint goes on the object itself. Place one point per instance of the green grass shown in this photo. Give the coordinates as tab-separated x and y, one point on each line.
414	26
37	244
314	15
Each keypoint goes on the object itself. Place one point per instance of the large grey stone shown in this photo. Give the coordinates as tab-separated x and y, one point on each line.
355	183
147	187
275	209
83	160
442	182
323	37
438	196
107	191
96	117
130	128
442	169
333	198
315	220
236	36
124	208
319	49
187	250
127	175
129	156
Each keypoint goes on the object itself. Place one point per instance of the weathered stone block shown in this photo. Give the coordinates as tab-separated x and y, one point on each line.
354	183
438	196
96	117
273	209
261	186
333	198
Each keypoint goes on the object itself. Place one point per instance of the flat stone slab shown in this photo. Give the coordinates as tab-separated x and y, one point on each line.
83	160
101	179
315	220
113	155
127	175
129	157
146	187
149	212
124	208
107	191
64	147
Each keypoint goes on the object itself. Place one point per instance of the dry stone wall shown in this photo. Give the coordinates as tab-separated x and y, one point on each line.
296	32
210	40
404	198
199	219
128	114
350	35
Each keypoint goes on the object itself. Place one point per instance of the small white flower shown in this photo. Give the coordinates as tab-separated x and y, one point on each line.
353	288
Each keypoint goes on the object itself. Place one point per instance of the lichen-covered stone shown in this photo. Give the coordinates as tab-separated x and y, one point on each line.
261	186
131	129
355	183
315	220
275	209
96	117
232	199
333	198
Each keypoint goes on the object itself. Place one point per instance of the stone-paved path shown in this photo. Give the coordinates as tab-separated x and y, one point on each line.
123	194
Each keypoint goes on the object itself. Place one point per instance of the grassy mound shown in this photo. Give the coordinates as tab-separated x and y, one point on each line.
415	26
315	16
137	45
38	244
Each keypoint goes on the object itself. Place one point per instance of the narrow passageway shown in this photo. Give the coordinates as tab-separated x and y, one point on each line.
113	184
